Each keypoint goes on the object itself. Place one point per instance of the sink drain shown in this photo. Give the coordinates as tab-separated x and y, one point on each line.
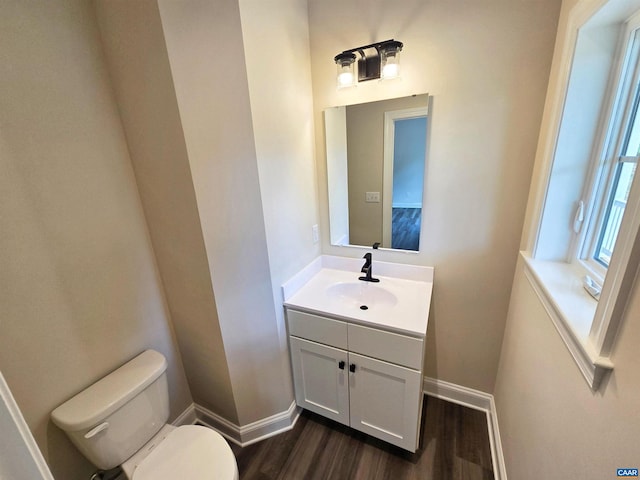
364	307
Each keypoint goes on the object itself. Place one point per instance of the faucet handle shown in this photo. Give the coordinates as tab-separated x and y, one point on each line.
366	269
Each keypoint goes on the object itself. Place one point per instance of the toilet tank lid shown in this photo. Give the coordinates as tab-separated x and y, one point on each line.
108	394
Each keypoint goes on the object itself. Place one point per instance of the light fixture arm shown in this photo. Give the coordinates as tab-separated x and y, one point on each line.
376	45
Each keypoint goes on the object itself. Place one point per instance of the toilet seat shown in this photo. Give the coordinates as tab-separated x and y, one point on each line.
189	452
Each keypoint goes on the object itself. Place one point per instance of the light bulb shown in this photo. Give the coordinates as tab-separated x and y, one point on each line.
346	76
390	60
390	70
345	79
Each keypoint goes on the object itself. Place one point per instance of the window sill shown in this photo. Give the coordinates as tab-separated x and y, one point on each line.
571	309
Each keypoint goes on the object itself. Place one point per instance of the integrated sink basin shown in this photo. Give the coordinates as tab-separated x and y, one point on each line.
329	286
363	294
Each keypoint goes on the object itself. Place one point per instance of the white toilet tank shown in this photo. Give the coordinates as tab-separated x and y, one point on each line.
113	418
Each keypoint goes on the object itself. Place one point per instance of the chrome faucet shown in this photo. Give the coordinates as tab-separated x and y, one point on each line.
367	269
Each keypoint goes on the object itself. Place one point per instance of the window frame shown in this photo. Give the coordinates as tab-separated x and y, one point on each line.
558	282
623	98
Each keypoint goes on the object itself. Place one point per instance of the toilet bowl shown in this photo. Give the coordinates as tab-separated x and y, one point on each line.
121	421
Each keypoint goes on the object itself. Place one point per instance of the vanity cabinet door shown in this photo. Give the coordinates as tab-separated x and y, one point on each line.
320	379
385	400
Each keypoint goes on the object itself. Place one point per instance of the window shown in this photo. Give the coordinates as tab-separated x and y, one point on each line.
614	209
583	244
610	189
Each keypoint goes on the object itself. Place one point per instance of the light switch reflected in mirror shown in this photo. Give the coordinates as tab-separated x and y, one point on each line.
376	154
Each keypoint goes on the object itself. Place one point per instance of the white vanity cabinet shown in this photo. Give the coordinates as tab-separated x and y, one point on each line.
364	377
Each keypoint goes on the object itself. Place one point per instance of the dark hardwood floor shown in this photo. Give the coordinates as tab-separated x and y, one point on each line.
405	228
454	446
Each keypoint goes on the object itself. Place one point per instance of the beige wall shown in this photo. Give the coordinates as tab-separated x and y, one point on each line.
79	289
486	64
205	48
139	67
173	197
282	118
364	159
552	424
171	139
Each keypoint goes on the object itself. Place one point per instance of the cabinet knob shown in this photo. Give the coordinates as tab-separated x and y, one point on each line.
352	367
341	365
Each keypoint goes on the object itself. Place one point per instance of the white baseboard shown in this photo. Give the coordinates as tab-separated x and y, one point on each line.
407	205
188	417
451	392
241	435
496	443
281	422
477	400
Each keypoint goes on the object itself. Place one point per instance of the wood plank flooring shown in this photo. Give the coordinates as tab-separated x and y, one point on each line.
405	228
454	446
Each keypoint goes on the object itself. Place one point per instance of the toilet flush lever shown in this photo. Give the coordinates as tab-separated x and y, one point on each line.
94	431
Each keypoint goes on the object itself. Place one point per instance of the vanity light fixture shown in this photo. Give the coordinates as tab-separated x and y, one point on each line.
346	75
382	61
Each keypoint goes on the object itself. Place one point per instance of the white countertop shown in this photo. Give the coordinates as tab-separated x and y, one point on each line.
399	303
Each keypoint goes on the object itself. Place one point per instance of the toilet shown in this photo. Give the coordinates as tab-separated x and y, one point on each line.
121	420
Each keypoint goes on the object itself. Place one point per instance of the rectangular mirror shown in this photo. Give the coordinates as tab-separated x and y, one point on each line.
376	154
